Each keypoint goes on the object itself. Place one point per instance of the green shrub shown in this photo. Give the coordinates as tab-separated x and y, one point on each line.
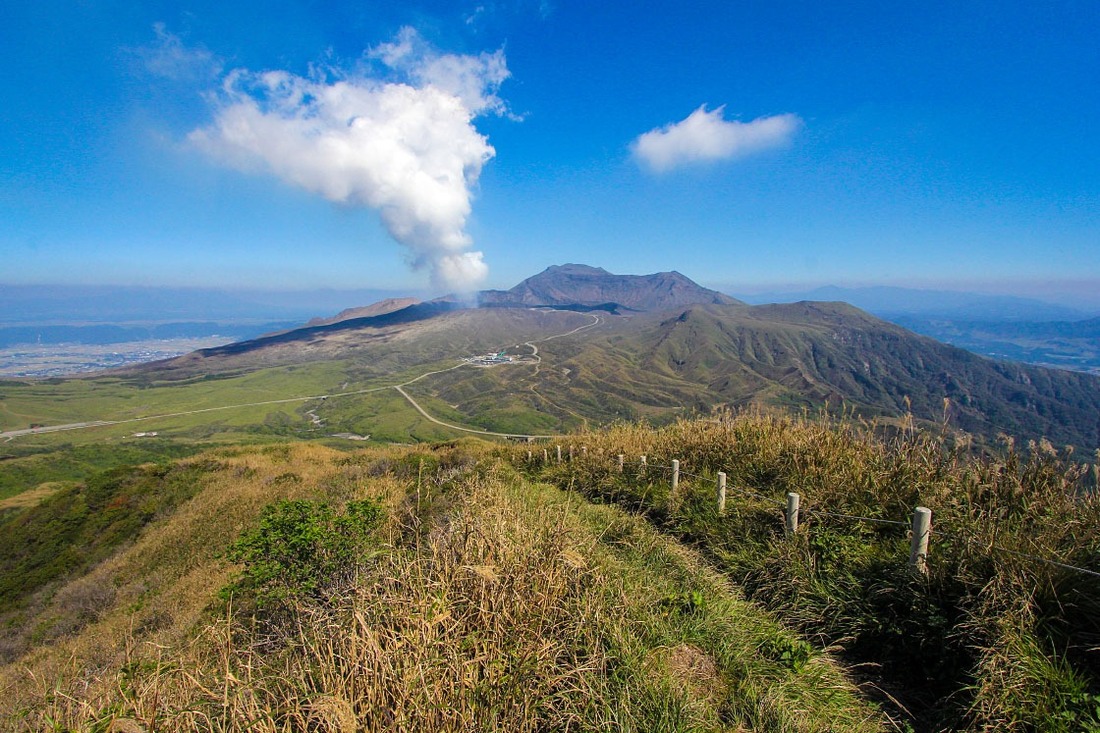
301	549
81	525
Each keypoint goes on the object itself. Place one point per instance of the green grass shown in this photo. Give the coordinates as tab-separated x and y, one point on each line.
28	468
987	640
112	398
486	602
386	416
75	455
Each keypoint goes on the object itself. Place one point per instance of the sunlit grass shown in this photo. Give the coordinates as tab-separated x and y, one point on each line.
975	643
493	604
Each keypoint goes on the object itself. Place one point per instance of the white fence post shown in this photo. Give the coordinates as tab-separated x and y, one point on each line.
792	512
570	453
641	471
622	458
918	547
721	493
675	476
559	454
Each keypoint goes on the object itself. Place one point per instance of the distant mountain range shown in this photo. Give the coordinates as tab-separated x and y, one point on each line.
893	302
643	359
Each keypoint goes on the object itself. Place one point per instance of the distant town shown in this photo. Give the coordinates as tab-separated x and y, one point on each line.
61	360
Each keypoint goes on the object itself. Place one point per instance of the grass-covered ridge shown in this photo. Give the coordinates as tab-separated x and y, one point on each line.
456	595
990	639
465	586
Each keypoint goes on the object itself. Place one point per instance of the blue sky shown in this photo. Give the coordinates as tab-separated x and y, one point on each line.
749	145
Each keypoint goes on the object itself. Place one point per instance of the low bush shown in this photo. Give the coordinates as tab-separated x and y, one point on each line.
301	550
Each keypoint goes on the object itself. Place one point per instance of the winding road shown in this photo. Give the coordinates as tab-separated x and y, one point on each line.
9	435
538	363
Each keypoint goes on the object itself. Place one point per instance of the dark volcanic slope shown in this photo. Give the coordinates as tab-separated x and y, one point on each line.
812	352
568	285
379	345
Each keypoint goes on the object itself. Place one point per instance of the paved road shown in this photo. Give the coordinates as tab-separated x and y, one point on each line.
9	435
424	412
534	352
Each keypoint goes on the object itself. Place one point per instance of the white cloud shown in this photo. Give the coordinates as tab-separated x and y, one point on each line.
706	136
407	149
168	57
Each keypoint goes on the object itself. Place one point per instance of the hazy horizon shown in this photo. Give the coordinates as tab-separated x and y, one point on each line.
300	302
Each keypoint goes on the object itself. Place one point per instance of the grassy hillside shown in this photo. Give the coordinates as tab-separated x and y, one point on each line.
811	353
652	366
480	601
501	590
991	638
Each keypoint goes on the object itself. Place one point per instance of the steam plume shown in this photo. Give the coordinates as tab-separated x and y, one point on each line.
407	149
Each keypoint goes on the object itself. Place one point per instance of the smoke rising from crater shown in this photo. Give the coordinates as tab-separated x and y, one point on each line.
406	148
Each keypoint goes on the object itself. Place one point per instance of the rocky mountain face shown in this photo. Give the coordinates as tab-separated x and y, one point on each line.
573	285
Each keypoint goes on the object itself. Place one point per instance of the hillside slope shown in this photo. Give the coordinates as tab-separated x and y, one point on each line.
659	365
800	356
381	308
483	601
811	353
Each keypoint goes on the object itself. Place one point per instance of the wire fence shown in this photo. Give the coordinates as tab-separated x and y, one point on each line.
919	527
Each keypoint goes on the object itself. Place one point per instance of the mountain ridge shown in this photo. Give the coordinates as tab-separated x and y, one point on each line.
660	363
583	285
891	302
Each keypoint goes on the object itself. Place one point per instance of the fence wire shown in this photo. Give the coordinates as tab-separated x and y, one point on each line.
875	520
959	537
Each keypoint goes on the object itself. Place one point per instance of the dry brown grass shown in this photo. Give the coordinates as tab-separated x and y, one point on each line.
1015	640
31	497
495	605
162	586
